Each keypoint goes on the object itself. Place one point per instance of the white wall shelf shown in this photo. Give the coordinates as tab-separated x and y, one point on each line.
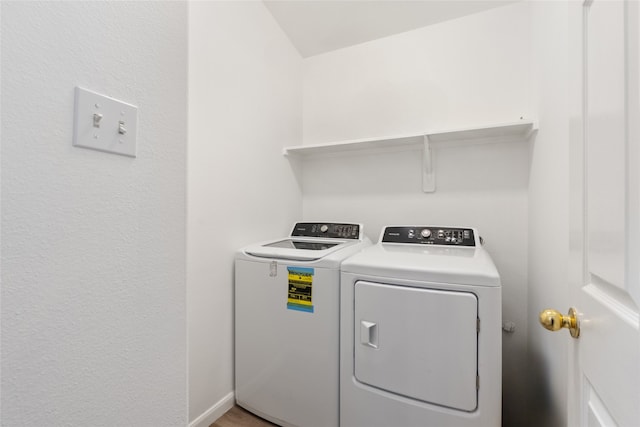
515	131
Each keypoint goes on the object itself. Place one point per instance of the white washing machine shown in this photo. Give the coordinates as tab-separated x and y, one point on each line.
287	310
420	331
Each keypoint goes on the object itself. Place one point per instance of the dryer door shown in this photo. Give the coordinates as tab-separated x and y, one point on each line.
417	342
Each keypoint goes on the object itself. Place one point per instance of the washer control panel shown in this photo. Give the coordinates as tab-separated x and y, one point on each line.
327	230
430	235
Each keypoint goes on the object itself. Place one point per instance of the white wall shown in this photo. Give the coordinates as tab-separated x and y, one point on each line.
93	266
548	212
470	71
245	104
467	71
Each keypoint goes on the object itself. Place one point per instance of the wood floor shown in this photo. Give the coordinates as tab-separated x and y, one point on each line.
238	417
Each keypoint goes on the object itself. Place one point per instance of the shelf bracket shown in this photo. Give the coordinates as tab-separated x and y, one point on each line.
428	172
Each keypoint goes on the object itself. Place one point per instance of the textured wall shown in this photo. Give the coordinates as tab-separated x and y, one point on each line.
245	104
549	212
93	244
470	71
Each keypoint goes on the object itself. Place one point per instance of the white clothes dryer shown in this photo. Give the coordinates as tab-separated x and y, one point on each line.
420	331
287	310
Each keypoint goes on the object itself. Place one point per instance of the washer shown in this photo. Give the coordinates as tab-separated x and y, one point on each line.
287	329
420	331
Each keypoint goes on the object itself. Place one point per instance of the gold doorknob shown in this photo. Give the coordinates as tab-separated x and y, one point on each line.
553	320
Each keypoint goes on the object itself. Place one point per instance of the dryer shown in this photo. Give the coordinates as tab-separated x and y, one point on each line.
420	331
287	309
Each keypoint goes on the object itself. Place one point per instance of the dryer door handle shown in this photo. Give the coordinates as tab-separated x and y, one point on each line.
369	333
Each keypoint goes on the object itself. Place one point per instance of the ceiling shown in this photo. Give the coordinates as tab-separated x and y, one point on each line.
318	26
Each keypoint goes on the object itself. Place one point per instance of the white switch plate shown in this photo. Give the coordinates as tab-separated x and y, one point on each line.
105	124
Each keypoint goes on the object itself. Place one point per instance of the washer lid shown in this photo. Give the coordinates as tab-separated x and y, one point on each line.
301	244
302	249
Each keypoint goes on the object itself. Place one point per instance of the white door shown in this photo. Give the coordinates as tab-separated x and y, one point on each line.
604	365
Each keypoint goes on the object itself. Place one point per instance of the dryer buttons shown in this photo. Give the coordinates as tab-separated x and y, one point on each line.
428	235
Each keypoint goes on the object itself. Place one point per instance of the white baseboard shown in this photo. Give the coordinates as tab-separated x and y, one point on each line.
216	411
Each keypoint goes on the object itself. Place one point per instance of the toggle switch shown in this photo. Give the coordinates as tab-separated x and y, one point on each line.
105	124
97	118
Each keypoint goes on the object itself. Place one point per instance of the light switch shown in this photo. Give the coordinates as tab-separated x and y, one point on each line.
105	124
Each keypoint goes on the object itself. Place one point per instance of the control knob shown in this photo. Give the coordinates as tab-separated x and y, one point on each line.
324	228
426	233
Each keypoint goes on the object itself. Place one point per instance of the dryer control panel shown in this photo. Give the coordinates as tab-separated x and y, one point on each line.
430	235
327	230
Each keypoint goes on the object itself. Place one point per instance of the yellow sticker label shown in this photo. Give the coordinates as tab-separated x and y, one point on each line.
300	294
